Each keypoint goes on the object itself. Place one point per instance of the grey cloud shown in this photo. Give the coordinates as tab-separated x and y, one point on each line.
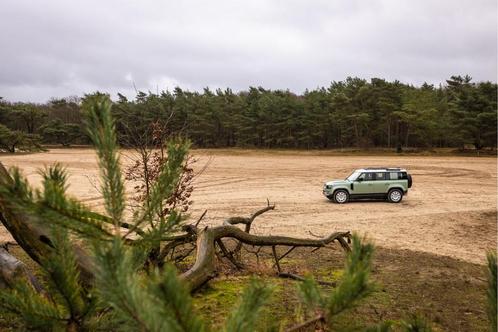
59	48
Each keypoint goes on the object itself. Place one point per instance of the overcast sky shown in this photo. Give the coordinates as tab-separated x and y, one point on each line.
60	48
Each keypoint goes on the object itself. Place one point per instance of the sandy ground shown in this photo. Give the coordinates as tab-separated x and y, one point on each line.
450	210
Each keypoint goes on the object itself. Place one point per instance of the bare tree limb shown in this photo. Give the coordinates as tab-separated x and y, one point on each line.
200	218
228	255
286	253
204	267
247	221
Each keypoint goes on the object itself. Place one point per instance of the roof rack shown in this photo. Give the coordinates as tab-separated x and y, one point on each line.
386	168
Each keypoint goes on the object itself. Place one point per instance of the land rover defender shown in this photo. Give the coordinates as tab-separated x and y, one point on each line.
370	183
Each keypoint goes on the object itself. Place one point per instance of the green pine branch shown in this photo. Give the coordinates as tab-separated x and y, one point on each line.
101	129
175	297
354	284
51	205
64	275
134	299
36	311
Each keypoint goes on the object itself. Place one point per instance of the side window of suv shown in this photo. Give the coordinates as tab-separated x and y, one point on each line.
367	176
394	176
381	176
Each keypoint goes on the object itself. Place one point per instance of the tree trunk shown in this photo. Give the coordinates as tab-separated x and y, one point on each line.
357	134
407	135
398	141
389	134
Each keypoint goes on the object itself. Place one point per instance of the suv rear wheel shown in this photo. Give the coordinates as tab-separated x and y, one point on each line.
341	196
395	195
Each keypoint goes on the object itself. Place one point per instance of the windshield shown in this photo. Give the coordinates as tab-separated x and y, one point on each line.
353	176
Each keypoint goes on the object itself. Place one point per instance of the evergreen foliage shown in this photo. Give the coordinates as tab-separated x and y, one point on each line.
16	140
56	131
350	113
65	305
101	129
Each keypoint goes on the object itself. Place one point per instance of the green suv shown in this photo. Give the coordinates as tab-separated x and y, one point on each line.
379	182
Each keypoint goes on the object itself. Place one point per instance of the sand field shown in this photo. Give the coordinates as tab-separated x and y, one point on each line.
450	210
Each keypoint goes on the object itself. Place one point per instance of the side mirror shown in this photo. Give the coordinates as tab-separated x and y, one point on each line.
359	179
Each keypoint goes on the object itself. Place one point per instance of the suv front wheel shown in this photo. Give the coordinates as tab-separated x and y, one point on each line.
395	195
341	196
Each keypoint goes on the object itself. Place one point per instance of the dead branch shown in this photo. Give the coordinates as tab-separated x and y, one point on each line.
286	253
255	253
172	244
204	266
200	218
247	221
228	255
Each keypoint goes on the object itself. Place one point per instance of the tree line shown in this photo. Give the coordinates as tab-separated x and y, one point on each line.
351	113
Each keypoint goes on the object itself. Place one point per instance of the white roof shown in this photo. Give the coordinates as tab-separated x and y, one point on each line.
382	169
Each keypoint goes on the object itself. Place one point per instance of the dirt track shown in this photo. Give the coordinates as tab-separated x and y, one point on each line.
451	209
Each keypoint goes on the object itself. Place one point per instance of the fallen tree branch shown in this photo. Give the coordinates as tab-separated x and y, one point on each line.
247	221
204	267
